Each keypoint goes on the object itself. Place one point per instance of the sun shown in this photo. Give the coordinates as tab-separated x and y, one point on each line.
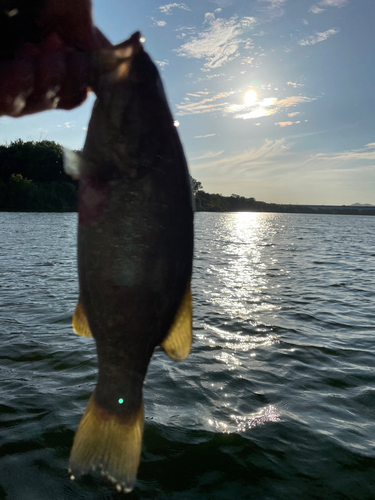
250	97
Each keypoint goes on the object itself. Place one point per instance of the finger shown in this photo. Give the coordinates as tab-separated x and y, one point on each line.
16	84
101	41
49	77
75	86
72	20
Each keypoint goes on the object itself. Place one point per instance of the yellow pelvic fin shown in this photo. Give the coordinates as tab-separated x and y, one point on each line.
178	341
109	442
80	323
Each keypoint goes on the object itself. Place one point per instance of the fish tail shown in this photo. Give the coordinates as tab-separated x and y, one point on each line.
109	442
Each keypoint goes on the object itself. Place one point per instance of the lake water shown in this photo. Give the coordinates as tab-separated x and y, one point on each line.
276	400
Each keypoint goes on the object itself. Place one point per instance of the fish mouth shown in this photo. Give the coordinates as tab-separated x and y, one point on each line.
115	62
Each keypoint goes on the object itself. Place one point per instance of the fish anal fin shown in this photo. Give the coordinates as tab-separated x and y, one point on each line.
108	442
178	341
80	323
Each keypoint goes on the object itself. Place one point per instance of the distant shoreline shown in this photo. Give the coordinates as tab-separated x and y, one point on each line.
265	208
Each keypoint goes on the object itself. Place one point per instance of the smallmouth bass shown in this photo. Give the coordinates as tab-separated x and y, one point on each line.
135	250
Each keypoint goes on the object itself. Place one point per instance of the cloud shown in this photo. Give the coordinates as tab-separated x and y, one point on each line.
275	7
158	23
208	154
223	3
219	43
294	114
162	64
318	37
274	4
327	3
279	172
167	9
209	17
316	10
251	162
363	154
295	85
267	107
204	136
207	102
333	3
205	105
284	124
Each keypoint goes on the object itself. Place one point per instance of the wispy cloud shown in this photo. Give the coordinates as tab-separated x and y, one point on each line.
275	7
314	9
167	9
219	43
204	136
224	3
267	107
269	173
274	4
318	37
317	9
208	155
205	105
333	3
293	114
207	102
284	124
363	154
247	162
295	85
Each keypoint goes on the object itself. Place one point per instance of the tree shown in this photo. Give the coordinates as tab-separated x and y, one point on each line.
195	185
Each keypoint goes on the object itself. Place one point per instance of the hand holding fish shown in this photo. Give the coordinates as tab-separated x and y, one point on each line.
44	54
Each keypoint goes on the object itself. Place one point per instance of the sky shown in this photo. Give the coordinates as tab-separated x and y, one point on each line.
275	98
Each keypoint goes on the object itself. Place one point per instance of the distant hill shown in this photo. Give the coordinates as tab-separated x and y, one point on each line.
361	205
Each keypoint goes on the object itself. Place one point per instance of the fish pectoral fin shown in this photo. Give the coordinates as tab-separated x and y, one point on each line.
80	323
178	341
109	442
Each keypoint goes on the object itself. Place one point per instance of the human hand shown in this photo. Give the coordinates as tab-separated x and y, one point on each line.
45	48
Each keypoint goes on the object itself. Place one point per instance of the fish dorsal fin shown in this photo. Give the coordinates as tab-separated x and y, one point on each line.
178	341
80	323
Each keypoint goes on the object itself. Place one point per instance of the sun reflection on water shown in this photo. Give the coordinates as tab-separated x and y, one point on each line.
242	423
238	299
242	281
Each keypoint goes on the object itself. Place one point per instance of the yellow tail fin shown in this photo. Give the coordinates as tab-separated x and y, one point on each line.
108	442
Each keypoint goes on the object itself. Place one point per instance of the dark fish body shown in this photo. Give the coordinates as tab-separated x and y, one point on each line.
135	247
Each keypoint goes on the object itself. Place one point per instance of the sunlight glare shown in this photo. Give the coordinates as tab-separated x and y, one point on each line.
250	97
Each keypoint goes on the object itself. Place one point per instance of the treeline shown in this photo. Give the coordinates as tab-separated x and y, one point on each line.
32	178
206	202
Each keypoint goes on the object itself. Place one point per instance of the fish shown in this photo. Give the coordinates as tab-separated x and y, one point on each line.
135	252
